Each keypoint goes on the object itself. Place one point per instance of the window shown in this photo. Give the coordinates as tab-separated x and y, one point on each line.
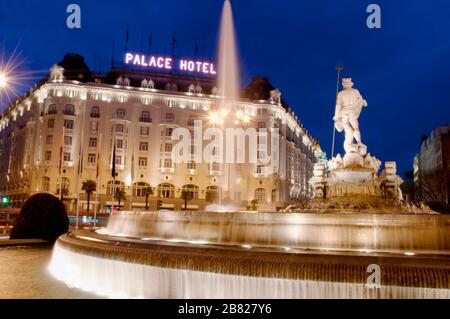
52	109
91	158
215	167
166	191
142	161
145	117
68	140
120	113
92	142
49	139
260	195
113	186
274	196
191	165
168	148
168	132
138	189
143	146
48	156
119	128
145	131
119	144
94	126
69	109
45	184
260	169
67	157
170	117
68	124
191	189
51	123
64	186
167	163
95	112
118	160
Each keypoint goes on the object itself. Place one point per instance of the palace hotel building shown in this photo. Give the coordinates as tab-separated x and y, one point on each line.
76	109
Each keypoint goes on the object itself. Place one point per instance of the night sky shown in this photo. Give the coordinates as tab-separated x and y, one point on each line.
402	70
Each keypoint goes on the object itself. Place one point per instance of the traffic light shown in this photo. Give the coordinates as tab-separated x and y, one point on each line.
5	200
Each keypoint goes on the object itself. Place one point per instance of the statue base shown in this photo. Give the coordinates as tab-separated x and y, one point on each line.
353	181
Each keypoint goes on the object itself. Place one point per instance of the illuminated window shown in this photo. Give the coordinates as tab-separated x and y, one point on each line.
48	156
143	146
68	124
142	162
120	113
45	184
51	123
92	142
119	128
260	195
166	191
68	140
91	158
49	139
67	157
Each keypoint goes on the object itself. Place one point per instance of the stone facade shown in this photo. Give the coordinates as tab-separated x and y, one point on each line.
139	112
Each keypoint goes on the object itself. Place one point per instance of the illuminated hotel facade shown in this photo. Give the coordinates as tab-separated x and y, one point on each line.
84	113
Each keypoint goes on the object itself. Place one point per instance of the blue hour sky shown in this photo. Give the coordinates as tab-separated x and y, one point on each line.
403	69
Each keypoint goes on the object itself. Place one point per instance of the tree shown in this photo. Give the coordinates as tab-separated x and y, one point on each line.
186	195
120	196
148	191
89	187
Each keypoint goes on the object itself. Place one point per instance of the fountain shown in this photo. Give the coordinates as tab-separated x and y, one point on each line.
320	252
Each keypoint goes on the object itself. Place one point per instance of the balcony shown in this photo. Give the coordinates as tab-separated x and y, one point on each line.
68	112
145	120
52	112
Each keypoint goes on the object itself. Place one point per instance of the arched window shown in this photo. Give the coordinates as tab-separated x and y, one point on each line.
193	189
198	89
95	112
166	191
69	109
113	186
64	187
191	88
260	195
45	184
139	187
120	113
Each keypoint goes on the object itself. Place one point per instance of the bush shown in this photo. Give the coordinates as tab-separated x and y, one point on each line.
43	216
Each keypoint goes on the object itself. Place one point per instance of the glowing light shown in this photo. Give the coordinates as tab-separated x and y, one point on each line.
409	254
3	80
214	118
239	114
247	246
223	113
246	118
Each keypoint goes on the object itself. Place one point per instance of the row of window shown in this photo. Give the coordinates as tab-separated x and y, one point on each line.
165	190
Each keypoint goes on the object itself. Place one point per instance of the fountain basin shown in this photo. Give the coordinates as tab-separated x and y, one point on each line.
239	255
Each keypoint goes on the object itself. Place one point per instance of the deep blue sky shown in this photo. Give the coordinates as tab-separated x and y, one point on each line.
402	70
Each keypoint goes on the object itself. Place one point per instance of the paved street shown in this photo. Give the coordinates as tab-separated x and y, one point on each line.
23	275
